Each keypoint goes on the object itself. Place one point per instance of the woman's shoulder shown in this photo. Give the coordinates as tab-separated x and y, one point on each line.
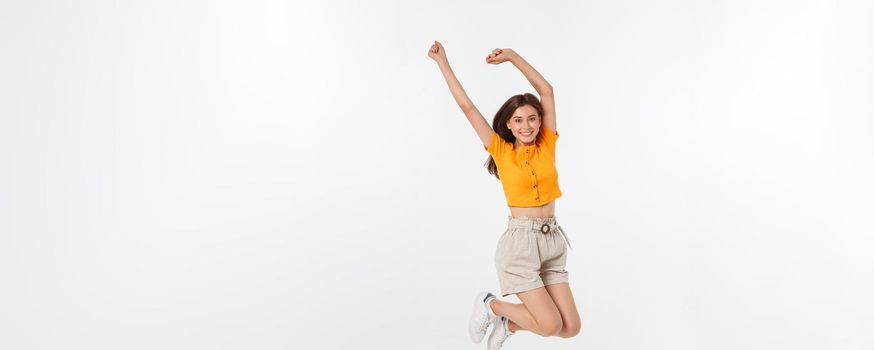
546	137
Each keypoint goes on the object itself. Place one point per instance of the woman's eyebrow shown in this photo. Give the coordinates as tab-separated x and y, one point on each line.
519	116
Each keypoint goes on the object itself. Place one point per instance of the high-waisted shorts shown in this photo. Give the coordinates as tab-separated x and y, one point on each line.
531	254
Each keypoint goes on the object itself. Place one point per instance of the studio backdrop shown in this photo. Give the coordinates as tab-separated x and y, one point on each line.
296	175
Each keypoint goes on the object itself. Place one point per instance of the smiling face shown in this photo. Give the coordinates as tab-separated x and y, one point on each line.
525	123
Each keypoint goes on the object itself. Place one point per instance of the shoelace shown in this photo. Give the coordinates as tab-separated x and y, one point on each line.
501	340
484	322
504	335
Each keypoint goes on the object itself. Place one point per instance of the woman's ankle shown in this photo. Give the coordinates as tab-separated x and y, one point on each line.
491	306
512	326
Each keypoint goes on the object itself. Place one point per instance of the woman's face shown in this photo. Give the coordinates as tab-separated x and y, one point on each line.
525	123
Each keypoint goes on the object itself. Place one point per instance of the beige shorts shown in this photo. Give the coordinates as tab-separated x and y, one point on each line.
531	254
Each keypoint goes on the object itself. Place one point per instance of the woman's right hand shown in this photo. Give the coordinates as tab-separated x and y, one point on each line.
499	56
437	53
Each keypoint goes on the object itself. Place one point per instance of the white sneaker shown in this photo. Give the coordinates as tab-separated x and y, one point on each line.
481	317
499	334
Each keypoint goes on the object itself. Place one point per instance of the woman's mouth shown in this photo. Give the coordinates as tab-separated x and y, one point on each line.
526	133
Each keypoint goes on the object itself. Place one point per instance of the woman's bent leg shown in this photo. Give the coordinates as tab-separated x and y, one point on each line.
537	313
564	300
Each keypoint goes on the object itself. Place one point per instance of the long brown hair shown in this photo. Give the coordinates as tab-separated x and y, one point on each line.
499	123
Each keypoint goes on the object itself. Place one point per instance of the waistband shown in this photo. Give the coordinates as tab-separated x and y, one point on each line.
537	225
534	224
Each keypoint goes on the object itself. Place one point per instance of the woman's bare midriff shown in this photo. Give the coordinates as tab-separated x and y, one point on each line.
543	211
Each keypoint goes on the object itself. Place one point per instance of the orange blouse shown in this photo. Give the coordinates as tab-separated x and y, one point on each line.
527	173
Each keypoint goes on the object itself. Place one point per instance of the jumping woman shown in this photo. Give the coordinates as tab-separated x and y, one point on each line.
531	254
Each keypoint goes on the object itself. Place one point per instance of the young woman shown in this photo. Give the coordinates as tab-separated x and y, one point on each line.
531	254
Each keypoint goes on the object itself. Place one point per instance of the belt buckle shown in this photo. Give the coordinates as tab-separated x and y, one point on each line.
544	228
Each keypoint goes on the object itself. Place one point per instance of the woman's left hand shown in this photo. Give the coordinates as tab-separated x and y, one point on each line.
499	56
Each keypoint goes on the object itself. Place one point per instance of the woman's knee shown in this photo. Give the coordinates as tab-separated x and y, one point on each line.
550	328
570	329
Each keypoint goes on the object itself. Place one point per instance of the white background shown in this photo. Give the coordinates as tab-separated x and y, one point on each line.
281	175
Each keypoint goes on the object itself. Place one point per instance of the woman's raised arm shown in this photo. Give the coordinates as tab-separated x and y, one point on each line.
476	119
540	84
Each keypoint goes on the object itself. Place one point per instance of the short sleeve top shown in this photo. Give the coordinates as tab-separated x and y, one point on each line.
527	173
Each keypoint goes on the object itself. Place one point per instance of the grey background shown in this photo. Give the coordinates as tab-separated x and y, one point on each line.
296	175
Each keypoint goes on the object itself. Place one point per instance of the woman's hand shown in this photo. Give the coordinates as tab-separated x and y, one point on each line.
499	56
437	53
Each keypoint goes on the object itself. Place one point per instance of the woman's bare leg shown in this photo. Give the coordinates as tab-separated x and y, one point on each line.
537	313
503	308
564	300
